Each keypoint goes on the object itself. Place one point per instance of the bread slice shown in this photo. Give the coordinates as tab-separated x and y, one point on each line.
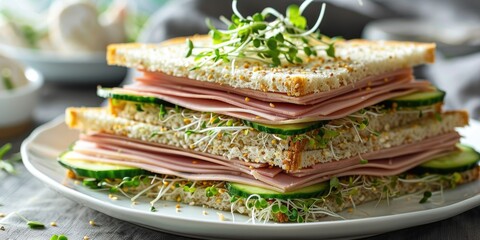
355	60
351	192
290	153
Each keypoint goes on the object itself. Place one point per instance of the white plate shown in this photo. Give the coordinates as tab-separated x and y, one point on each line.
80	68
39	152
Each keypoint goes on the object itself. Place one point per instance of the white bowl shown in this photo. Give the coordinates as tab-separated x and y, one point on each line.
17	105
78	68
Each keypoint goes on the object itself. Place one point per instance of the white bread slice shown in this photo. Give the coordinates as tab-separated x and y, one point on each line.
355	60
253	146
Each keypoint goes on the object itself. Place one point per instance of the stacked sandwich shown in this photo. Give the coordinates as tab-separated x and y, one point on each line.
289	142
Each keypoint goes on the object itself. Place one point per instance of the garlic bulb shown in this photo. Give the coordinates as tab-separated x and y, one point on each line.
113	21
74	27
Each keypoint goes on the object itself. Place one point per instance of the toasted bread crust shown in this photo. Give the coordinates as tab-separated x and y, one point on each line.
356	59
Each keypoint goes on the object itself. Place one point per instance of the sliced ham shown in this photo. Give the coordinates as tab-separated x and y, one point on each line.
159	78
287	110
113	149
119	141
330	111
274	108
442	141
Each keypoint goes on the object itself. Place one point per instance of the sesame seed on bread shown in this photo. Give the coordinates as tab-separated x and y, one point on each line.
355	60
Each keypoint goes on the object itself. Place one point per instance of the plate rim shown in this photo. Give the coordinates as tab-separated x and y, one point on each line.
437	213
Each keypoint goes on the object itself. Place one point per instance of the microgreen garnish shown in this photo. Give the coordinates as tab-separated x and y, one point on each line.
7	164
334	183
363	161
32	224
286	37
211	191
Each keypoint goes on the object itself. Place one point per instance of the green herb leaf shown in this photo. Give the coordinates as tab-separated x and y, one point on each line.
162	111
7	79
330	50
211	191
426	196
334	183
275	208
190	48
4	149
307	51
90	182
139	107
58	237
257	17
293	11
35	224
329	134
7	164
256	43
62	237
272	43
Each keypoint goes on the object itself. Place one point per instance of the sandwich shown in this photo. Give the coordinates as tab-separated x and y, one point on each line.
270	125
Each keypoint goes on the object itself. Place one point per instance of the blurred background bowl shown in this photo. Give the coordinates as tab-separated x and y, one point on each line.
81	68
17	105
452	39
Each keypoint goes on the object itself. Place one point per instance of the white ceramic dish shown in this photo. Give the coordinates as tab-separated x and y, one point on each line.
39	152
17	105
81	68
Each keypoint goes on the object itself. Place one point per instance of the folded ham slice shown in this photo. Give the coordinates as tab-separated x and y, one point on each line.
201	166
160	78
274	108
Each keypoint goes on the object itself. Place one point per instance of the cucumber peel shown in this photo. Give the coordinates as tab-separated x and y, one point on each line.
462	159
243	190
285	129
89	169
119	95
416	99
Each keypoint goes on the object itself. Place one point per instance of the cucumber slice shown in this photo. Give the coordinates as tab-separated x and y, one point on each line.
243	190
89	169
463	159
118	94
285	129
417	99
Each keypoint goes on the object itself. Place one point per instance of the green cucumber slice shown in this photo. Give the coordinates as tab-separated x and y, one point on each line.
463	159
243	190
119	95
417	99
89	169
285	129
